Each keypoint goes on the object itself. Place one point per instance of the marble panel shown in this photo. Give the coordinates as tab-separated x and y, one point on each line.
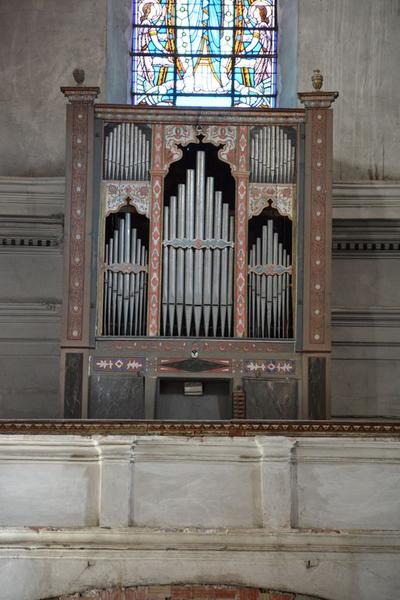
270	399
116	396
317	387
73	385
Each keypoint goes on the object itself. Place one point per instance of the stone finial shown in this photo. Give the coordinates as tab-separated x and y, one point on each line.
317	79
79	76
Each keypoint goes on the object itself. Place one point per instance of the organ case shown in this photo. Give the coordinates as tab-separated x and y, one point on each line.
203	258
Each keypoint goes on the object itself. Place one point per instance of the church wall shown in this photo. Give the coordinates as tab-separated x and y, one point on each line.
356	45
42	41
31	267
312	516
118	61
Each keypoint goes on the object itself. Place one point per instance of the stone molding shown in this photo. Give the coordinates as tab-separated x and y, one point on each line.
17	311
32	196
37	321
368	238
31	232
136	539
178	450
135	449
31	214
366	200
366	317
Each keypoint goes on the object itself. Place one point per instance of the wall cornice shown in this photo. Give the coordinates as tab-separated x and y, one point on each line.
136	539
366	200
32	196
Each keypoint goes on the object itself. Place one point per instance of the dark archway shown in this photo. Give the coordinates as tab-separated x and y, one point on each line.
186	592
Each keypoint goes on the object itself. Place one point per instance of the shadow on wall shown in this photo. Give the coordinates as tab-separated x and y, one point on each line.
186	592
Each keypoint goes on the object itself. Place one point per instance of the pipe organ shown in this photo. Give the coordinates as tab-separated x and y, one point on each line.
126	152
197	250
125	280
269	286
197	285
272	155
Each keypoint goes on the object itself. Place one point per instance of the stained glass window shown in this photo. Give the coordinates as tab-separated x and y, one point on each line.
215	53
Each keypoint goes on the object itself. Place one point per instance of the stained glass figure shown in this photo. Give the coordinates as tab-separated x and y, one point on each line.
204	52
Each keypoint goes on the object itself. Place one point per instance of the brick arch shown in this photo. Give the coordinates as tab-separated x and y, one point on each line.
186	592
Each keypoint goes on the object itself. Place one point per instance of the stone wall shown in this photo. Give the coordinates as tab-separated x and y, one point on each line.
312	516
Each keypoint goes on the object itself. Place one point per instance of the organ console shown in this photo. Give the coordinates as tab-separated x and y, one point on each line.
197	250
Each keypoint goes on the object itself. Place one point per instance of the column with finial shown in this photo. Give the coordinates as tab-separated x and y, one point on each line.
316	318
77	245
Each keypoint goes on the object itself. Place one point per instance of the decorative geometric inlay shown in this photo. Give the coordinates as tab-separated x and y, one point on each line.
212	346
77	217
198	244
270	269
280	196
224	429
125	268
136	193
318	228
195	365
241	252
182	135
129	365
273	366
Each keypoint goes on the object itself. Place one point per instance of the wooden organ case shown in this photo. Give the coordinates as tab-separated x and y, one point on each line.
198	245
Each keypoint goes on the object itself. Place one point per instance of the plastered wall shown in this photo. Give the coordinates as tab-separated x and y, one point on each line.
42	41
356	44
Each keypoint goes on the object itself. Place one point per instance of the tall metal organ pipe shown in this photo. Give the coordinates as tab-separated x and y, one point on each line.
127	153
197	281
269	286
272	155
125	281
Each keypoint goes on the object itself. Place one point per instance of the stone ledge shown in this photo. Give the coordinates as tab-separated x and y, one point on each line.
136	540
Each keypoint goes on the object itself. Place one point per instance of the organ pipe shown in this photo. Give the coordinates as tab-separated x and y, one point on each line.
125	281
127	153
269	284
272	155
197	280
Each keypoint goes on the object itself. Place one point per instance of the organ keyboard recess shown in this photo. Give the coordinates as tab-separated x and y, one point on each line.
197	261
